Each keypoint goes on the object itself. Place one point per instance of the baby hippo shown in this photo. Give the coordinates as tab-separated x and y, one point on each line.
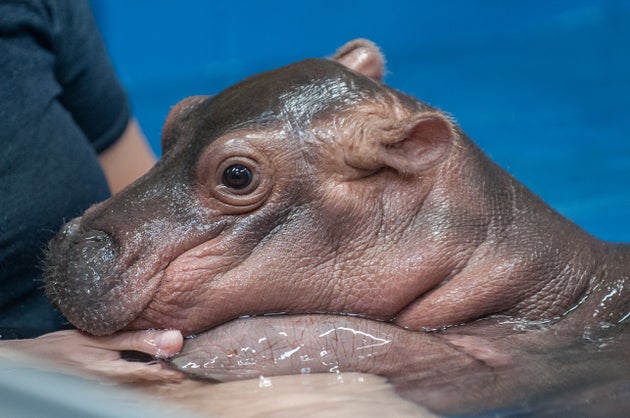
376	231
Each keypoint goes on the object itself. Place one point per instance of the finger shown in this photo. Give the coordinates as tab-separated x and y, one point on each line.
122	371
160	344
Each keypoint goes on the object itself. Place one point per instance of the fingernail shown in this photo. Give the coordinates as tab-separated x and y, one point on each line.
168	343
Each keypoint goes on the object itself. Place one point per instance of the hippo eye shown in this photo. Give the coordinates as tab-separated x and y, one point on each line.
237	177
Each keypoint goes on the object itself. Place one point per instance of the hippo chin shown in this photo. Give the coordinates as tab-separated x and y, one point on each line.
317	189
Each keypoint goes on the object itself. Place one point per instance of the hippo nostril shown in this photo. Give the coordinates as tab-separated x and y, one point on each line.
95	237
95	247
91	238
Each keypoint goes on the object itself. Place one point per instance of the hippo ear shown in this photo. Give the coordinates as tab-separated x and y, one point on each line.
410	146
176	118
362	56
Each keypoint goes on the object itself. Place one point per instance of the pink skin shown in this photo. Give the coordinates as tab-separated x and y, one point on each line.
363	201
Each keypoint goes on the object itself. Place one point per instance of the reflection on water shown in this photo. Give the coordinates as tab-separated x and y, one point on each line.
314	395
31	391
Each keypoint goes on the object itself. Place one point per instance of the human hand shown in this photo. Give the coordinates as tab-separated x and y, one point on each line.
75	352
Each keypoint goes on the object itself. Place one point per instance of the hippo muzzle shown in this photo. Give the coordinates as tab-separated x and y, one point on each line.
85	278
103	269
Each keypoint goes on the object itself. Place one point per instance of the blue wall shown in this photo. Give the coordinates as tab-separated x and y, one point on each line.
543	87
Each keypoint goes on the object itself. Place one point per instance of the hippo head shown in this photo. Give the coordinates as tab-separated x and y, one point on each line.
313	188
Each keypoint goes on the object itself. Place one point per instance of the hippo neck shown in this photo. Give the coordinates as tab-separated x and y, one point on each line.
540	265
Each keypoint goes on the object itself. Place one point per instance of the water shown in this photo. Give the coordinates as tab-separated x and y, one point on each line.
27	389
317	395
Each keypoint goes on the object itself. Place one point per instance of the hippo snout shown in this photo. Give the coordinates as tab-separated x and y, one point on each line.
82	260
82	278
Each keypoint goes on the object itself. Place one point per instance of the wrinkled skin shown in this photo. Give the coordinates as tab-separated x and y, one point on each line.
362	201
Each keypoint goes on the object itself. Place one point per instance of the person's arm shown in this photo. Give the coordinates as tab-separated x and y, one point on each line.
127	159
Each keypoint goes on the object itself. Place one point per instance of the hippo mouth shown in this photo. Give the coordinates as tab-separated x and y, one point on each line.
84	279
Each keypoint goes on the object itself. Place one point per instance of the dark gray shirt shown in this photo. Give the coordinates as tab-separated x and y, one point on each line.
60	105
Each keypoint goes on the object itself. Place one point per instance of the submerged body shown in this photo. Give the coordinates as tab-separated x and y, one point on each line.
316	189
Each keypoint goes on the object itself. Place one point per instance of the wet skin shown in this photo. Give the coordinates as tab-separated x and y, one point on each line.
317	189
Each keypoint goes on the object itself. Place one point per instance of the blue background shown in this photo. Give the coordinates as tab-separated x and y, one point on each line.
542	86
